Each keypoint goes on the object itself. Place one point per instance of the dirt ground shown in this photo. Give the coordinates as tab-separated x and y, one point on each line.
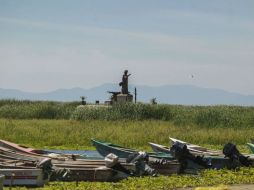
226	187
241	187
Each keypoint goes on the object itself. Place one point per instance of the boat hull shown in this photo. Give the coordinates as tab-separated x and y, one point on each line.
105	148
23	177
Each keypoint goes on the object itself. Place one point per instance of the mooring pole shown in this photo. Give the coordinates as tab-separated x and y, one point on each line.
135	93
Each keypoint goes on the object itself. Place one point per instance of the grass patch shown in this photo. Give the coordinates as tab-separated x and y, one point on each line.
71	134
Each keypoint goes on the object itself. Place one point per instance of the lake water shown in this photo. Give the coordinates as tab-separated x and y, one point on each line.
86	153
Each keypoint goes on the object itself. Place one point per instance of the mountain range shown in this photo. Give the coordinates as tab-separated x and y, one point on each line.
168	94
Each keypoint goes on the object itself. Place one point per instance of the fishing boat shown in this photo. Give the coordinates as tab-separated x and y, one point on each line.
79	170
211	158
165	149
20	148
218	162
198	150
167	168
66	169
13	148
70	168
24	177
104	148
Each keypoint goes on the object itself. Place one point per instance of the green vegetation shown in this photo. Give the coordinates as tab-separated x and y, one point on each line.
25	109
206	178
71	134
44	124
209	116
205	116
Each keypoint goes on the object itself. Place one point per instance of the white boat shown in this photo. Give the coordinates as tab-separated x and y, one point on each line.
195	149
23	177
159	148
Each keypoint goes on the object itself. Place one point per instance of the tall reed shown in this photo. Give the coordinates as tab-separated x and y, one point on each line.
25	109
209	116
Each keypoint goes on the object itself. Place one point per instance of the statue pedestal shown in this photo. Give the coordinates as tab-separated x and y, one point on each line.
122	98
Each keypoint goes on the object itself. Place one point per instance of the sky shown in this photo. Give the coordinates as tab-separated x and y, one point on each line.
51	44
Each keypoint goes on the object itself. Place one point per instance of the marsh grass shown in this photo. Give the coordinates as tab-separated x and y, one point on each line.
208	116
26	109
71	134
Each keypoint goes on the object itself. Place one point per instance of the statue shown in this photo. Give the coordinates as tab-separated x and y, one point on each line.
123	96
124	82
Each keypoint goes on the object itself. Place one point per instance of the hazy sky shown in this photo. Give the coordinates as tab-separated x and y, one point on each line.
50	44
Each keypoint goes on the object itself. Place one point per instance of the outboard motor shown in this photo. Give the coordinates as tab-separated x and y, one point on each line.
111	161
140	159
182	154
52	172
179	151
235	156
46	167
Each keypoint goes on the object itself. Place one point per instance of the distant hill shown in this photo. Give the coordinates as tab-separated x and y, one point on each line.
170	94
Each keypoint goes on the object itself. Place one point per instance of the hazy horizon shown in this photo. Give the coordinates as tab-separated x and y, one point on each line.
47	45
131	87
169	94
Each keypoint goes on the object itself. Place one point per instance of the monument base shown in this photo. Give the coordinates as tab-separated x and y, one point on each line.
122	98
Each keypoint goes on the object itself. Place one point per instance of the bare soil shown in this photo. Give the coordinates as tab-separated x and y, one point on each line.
233	187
